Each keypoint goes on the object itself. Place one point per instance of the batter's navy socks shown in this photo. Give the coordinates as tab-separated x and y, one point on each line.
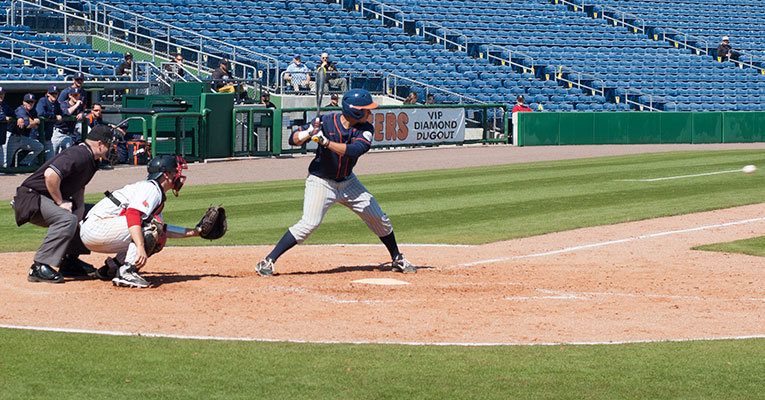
390	243
285	243
44	273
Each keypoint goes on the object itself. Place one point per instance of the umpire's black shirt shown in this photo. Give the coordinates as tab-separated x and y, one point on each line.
76	167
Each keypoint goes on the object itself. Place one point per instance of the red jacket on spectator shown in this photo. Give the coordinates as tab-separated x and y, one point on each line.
521	108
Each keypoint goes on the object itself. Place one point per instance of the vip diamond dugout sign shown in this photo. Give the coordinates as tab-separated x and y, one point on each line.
414	126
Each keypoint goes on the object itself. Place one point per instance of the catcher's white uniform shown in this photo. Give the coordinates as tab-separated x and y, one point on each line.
105	229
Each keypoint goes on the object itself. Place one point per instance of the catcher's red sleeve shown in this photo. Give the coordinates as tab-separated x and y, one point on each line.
133	217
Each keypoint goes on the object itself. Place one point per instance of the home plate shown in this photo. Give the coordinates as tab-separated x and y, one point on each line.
381	281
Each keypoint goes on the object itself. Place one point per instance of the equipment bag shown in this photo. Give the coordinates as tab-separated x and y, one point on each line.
139	152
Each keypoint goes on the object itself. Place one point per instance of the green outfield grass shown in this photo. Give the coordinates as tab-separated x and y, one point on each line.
63	366
471	205
752	247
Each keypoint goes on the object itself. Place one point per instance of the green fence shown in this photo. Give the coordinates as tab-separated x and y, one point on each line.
260	131
544	129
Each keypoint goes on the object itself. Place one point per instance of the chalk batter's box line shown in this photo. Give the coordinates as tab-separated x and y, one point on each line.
464	344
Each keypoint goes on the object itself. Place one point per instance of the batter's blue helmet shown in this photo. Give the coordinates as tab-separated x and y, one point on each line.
356	101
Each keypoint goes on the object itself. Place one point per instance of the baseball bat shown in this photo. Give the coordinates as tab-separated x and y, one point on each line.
320	75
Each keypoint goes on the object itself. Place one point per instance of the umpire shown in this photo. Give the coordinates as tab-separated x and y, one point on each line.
53	197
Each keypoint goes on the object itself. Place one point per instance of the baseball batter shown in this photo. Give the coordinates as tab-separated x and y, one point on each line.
342	138
122	221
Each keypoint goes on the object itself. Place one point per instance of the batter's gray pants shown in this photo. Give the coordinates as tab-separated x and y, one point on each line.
61	225
322	193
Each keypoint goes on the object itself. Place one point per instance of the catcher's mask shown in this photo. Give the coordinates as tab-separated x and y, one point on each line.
167	163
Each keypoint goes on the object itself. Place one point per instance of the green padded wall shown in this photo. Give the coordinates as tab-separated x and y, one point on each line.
541	129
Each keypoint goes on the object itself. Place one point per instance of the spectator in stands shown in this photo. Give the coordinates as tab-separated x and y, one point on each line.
221	80
297	75
68	133
411	99
77	81
725	52
331	75
265	99
126	67
22	134
520	105
431	99
333	101
49	108
176	71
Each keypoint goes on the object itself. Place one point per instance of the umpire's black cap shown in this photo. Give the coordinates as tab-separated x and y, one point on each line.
102	133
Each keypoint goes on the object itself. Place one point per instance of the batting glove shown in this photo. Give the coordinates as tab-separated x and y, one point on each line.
321	139
303	135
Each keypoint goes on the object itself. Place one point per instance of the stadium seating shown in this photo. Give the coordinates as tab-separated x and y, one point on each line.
742	20
556	36
552	45
49	57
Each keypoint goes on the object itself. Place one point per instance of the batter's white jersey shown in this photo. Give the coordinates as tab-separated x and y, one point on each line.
105	228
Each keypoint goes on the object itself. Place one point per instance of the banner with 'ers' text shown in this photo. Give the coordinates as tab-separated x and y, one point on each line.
397	126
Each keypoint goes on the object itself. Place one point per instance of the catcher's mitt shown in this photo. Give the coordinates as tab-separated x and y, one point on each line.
154	237
213	224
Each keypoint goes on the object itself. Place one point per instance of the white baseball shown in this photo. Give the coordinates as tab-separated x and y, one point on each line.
749	169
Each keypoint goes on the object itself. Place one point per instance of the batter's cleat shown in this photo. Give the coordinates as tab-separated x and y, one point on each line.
72	267
128	277
44	273
401	264
265	267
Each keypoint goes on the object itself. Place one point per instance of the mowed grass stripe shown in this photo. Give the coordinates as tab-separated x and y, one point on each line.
76	366
472	205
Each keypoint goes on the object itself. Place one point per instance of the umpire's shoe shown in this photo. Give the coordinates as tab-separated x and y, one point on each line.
128	276
73	267
265	267
44	273
401	264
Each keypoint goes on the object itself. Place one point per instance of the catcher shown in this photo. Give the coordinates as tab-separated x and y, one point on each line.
129	222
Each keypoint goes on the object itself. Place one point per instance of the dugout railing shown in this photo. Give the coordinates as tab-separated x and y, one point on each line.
259	131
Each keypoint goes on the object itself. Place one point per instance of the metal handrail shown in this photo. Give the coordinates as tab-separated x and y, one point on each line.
381	15
685	42
47	50
346	74
462	47
509	58
559	76
236	51
651	100
428	88
106	26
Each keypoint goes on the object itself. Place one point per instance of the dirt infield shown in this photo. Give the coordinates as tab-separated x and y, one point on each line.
625	282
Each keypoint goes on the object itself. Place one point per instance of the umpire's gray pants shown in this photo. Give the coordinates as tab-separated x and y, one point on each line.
61	225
